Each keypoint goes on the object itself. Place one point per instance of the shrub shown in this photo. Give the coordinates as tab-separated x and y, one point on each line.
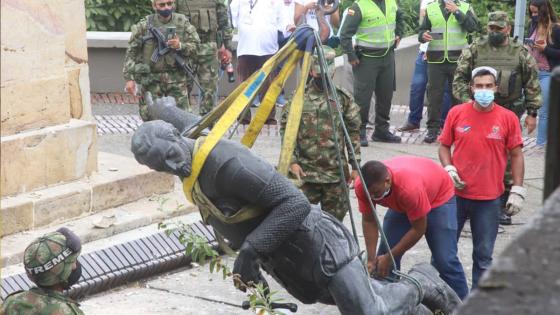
115	15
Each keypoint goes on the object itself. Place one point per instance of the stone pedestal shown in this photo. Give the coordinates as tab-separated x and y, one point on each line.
48	135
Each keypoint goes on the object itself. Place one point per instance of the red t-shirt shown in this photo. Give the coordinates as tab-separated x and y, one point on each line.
481	142
419	185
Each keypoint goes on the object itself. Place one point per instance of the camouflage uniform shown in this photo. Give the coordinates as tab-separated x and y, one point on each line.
163	78
518	86
211	19
315	149
40	301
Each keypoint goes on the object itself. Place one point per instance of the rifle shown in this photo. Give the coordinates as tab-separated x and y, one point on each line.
163	48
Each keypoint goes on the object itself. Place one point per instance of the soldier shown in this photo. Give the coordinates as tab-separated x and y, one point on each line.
315	158
147	63
445	27
518	82
211	20
51	262
377	26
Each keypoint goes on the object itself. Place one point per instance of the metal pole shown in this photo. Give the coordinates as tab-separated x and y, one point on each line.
519	27
552	162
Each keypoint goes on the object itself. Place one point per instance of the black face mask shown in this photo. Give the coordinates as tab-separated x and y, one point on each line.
534	18
318	82
165	13
74	276
496	38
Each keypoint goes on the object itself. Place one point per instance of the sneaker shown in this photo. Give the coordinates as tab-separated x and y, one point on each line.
385	137
432	135
408	126
504	218
281	100
363	137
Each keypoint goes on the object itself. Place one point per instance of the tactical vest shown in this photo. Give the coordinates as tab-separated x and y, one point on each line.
454	38
506	62
165	63
376	29
202	15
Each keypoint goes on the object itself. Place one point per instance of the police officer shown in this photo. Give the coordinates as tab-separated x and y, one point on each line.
211	20
445	27
315	160
162	77
51	262
518	83
377	26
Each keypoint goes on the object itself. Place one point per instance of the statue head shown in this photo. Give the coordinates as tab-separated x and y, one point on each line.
158	145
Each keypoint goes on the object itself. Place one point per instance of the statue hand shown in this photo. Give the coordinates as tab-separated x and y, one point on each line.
246	268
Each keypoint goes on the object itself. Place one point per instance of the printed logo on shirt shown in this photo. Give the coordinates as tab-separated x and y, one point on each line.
495	133
464	129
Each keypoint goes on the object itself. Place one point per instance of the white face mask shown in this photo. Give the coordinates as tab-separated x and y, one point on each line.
385	194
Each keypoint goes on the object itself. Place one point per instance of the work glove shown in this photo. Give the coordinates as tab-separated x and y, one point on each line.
247	267
457	182
515	201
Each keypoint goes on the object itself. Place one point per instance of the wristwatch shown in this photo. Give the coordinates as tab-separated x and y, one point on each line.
532	112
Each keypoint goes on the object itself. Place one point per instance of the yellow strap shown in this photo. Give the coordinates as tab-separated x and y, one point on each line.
230	115
294	118
269	100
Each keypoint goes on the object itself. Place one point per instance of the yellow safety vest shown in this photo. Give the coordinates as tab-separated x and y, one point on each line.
376	29
454	38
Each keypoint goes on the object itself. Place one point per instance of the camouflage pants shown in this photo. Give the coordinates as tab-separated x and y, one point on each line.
330	195
206	69
160	88
518	109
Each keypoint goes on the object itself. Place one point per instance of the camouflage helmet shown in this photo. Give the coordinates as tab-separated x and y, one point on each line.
330	54
49	259
498	18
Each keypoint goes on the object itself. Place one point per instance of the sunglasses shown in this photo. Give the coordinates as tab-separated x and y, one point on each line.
166	4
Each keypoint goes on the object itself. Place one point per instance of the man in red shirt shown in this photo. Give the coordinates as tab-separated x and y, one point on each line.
421	201
483	134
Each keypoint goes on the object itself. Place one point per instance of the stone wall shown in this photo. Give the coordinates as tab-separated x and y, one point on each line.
47	133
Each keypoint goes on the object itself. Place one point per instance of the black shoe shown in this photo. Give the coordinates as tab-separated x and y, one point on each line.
363	137
504	218
385	136
408	126
432	135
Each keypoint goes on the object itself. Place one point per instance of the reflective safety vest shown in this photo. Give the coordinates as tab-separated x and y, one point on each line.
376	29
454	38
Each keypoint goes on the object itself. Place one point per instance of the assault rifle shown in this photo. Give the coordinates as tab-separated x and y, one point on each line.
163	48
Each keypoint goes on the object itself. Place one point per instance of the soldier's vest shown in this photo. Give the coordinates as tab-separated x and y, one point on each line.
376	29
506	62
454	38
165	63
202	15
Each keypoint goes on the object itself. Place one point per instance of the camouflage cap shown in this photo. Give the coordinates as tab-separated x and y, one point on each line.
49	259
498	18
330	54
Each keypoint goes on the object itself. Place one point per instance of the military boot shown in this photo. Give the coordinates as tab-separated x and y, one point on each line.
437	294
363	137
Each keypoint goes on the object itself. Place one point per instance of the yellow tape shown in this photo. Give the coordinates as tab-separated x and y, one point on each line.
269	100
294	118
238	104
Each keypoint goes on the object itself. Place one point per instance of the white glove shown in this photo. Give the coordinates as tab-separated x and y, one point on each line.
457	182
515	201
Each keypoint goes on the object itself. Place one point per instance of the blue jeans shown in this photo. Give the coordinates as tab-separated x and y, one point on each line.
484	218
544	79
418	91
441	236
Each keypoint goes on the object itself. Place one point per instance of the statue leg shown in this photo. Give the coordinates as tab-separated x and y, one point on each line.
437	294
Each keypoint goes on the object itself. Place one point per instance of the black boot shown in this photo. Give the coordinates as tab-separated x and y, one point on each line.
431	136
363	137
437	294
385	136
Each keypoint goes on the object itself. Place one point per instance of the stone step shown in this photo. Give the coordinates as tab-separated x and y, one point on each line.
119	180
130	220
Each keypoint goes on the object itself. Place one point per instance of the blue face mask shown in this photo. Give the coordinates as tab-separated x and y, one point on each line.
165	13
484	97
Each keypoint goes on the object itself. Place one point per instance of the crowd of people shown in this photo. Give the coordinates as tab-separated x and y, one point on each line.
477	91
